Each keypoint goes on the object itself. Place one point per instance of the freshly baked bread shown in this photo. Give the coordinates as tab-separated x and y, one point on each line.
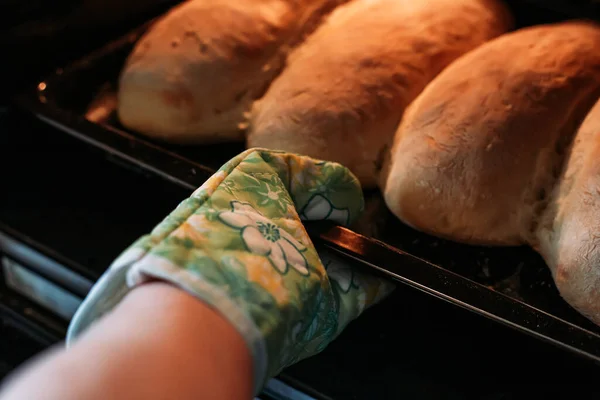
479	150
485	154
194	74
568	235
344	90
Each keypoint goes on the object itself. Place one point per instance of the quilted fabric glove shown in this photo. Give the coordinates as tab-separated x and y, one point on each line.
238	244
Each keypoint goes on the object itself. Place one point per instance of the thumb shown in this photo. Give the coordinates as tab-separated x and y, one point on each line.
320	190
354	291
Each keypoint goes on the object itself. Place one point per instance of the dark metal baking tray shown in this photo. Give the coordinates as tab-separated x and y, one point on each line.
509	285
411	346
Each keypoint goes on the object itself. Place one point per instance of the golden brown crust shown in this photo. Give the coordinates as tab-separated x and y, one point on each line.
478	152
195	73
344	90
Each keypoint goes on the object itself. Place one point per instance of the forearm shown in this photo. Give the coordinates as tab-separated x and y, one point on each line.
159	343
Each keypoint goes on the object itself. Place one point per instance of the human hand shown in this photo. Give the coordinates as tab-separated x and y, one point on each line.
238	244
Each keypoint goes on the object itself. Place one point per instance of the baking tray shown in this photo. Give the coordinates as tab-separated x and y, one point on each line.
509	285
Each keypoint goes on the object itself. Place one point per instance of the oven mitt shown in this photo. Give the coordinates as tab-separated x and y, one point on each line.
239	245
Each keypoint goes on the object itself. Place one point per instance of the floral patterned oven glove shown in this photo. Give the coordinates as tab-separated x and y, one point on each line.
238	244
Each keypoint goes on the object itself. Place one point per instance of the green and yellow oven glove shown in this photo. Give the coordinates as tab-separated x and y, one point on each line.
238	244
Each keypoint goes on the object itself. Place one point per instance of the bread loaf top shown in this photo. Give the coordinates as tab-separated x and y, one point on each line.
345	89
194	74
479	151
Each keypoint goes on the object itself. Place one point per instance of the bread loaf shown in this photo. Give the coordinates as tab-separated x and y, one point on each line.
479	150
568	235
344	90
491	153
194	74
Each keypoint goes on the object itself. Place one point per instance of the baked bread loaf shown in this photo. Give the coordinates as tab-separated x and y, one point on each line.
194	74
568	235
480	152
344	90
